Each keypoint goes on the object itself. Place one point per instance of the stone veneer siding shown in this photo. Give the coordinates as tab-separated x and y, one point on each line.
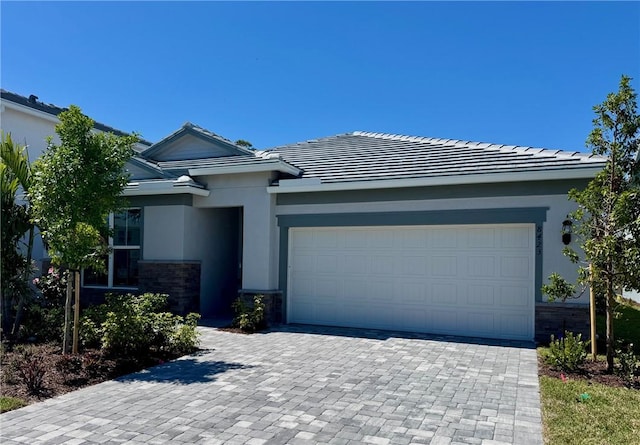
555	318
179	279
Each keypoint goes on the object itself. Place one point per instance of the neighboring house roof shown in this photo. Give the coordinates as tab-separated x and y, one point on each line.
363	156
33	102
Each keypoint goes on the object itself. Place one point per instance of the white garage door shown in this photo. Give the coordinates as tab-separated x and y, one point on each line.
470	280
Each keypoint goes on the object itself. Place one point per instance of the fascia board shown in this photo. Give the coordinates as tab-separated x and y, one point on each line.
547	175
30	111
162	188
264	167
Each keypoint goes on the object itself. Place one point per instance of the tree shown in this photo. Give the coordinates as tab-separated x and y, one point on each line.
607	220
243	143
75	186
15	266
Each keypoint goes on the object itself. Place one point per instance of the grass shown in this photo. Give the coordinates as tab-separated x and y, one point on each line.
10	403
610	416
626	326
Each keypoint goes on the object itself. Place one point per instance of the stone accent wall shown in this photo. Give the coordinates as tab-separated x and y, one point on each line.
179	279
272	301
555	318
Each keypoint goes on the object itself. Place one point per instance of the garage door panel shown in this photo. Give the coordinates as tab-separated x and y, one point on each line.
481	323
512	322
443	294
515	296
382	264
412	292
443	238
461	280
480	238
325	287
481	295
515	267
414	239
444	266
444	321
514	238
327	264
379	291
481	266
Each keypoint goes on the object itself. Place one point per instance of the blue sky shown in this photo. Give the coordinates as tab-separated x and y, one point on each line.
275	73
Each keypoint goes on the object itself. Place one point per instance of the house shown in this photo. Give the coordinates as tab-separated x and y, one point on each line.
361	229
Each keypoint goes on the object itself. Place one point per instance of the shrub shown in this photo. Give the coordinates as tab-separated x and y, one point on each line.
43	324
185	337
137	326
94	365
568	353
53	287
629	364
90	330
69	365
30	368
44	316
249	319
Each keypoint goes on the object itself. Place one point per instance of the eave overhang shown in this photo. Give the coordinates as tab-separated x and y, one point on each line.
165	187
305	185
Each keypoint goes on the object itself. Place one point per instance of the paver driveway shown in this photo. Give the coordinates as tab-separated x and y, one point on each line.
303	385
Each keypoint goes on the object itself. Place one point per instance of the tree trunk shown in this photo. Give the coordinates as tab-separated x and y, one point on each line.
4	308
610	339
66	339
76	310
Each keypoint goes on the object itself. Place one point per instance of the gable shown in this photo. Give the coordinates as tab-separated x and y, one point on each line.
192	142
141	169
191	147
138	172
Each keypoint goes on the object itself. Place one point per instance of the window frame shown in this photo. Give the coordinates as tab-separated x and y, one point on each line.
111	257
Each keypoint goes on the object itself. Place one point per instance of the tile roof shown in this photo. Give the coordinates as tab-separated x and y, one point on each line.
255	158
33	102
364	156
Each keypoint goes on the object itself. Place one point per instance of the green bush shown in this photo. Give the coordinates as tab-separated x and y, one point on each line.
137	326
567	353
44	316
43	324
629	366
249	319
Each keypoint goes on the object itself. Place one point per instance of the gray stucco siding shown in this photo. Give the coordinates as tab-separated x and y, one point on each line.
429	193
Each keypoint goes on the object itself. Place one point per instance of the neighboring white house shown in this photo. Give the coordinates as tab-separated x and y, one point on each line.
362	230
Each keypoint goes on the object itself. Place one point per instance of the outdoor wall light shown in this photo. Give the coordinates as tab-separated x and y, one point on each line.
566	231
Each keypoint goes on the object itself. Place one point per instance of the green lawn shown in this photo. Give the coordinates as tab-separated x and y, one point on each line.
9	403
609	415
625	327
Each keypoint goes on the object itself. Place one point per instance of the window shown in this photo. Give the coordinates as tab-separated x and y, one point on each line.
122	262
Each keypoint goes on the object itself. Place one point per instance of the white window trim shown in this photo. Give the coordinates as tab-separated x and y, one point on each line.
110	260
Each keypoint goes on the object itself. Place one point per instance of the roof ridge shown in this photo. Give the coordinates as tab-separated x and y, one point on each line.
478	144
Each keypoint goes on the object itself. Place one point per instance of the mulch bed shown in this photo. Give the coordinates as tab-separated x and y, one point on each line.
58	379
593	372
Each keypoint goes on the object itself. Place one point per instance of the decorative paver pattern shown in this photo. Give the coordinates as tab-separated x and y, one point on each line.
305	385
